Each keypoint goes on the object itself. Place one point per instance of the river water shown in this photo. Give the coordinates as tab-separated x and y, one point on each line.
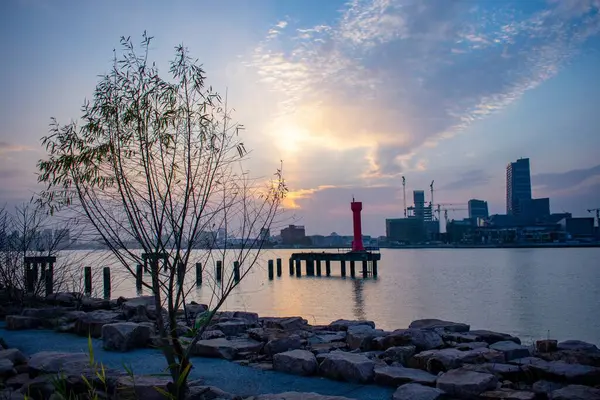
530	293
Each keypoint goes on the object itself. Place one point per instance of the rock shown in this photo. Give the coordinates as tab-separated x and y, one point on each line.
297	362
492	337
17	381
44	313
193	309
94	304
511	350
6	368
125	336
526	361
297	396
328	338
225	348
414	391
213	334
443	360
344	324
544	388
577	345
321	348
399	354
576	392
63	298
508	394
8	394
143	388
50	362
421	339
513	373
207	393
546	346
14	355
361	336
464	383
287	324
19	322
471	345
284	344
41	387
258	334
232	328
564	372
130	306
395	376
347	366
439	324
250	317
91	323
460	337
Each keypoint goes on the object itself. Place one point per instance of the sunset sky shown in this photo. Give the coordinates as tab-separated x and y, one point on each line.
351	95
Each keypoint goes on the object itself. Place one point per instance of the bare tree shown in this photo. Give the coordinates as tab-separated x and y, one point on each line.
157	162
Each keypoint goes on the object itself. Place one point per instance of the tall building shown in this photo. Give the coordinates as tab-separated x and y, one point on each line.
535	208
293	234
419	200
518	185
478	209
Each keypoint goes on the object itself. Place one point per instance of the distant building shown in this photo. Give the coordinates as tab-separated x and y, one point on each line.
265	234
578	228
535	208
518	185
62	238
419	200
293	234
478	209
408	230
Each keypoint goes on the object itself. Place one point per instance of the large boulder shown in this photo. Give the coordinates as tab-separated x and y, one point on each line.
125	336
194	309
344	324
436	361
439	324
399	354
130	306
208	393
513	373
328	337
50	362
212	334
415	391
286	324
20	322
361	337
564	372
492	337
44	313
232	327
250	317
91	323
466	384
142	387
577	345
349	367
511	350
457	337
298	396
7	368
422	339
395	376
576	392
225	348
298	362
508	394
544	388
15	356
280	345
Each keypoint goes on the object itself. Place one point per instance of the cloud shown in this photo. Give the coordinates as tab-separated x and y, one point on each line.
6	147
565	180
292	197
468	180
393	76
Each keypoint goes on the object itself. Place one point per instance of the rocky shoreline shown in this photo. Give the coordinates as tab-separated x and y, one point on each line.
429	360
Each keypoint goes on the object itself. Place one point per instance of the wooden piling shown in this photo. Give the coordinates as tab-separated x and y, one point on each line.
236	271
106	275
343	267
34	273
219	270
180	273
318	267
328	267
43	272
298	268
365	268
291	262
139	273
374	268
87	280
270	269
198	273
49	279
278	263
352	269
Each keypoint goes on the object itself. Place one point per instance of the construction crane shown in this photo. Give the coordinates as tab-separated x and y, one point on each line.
431	187
451	209
441	207
597	214
404	193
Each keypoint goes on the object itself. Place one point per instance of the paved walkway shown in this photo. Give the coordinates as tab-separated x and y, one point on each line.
223	374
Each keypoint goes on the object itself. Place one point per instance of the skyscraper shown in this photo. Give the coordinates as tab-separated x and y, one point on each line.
478	209
518	185
419	200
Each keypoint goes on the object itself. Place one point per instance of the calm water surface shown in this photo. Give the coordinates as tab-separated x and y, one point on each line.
531	293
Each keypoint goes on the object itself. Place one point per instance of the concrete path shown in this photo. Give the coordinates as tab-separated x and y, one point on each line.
223	374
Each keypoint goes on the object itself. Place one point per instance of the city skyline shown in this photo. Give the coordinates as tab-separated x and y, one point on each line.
352	95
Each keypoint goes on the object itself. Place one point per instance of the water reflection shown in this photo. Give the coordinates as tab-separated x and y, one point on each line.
359	301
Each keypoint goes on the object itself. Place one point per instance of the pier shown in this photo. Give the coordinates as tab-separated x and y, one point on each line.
319	263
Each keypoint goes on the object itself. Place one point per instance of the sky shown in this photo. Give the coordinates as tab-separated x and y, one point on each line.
351	95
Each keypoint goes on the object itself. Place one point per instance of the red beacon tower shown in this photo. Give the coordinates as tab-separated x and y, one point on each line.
356	207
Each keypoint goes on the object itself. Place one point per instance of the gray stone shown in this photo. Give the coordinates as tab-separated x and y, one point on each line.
421	339
212	334
225	348
361	337
125	336
280	345
298	362
41	387
207	393
399	354
577	345
14	355
328	337
510	372
142	387
44	313
91	323
570	373
395	376
8	394
526	361
131	305
6	368
492	337
232	328
193	309
344	324
50	362
347	366
464	383
250	317
19	322
439	324
471	345
414	391
511	350
287	324
544	388
298	396
17	381
576	392
436	361
457	337
508	394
